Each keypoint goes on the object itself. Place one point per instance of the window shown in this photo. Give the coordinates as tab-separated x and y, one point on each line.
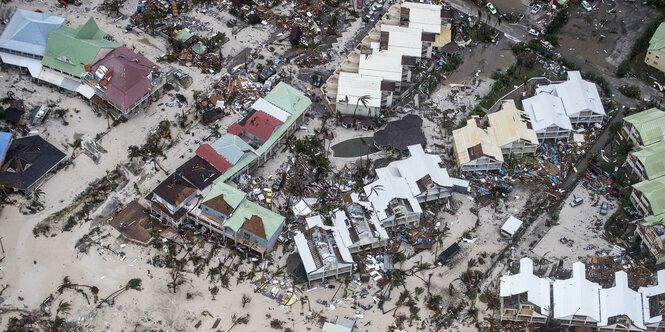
245	235
259	241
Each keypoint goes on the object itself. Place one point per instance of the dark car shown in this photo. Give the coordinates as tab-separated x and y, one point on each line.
594	161
317	80
603	208
278	184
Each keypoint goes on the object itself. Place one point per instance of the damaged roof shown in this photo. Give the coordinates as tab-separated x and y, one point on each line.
174	190
510	125
28	160
472	142
134	223
132	77
257	123
198	172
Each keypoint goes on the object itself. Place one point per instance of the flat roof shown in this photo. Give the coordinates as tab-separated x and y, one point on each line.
384	64
407	41
424	16
354	86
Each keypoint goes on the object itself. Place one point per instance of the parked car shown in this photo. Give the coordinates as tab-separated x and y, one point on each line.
576	202
268	196
317	80
360	4
603	208
536	9
376	6
586	5
594	161
278	184
491	8
534	32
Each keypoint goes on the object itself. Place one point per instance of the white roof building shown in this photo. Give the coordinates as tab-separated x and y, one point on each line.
577	95
358	232
407	41
546	110
322	251
576	296
424	16
536	288
648	292
352	86
270	109
511	226
621	301
405	179
384	64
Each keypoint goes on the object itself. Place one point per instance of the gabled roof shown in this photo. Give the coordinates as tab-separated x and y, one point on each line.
653	159
132	76
621	301
272	110
198	172
383	64
576	296
407	41
174	190
654	191
28	160
288	99
649	291
576	94
400	180
424	16
247	216
232	148
206	152
510	125
225	195
649	124
69	50
537	288
183	35
28	31
657	41
472	142
353	86
257	123
546	110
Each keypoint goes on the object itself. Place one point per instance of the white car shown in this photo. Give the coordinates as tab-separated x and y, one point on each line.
534	32
491	8
536	9
586	6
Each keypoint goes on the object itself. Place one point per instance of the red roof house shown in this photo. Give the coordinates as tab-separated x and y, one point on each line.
206	152
257	125
124	77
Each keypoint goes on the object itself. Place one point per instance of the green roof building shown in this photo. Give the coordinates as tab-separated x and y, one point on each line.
648	162
644	128
330	327
226	210
656	50
648	197
183	35
69	50
288	99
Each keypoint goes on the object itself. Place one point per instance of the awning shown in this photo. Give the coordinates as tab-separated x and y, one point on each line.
33	65
85	90
69	84
52	78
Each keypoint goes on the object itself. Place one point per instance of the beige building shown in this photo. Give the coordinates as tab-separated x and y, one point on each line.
475	149
511	131
655	55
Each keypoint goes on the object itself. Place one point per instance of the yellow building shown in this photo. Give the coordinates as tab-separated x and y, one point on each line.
656	53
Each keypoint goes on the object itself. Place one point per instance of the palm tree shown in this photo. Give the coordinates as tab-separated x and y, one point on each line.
134	284
361	100
36	195
439	236
58	322
375	189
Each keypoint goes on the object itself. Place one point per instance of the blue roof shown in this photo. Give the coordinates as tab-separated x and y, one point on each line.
5	138
28	31
231	147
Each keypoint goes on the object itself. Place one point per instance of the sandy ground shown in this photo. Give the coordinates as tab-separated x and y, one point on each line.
580	230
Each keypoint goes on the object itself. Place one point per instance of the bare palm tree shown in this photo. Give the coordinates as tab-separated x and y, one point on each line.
361	100
134	284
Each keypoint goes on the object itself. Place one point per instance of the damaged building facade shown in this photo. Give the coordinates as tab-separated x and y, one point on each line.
577	301
379	72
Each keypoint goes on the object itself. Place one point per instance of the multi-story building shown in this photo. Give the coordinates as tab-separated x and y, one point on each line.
644	128
524	296
576	299
359	229
474	148
548	117
580	99
648	162
510	130
655	53
648	198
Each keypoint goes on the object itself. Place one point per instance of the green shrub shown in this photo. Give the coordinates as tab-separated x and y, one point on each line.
624	68
630	91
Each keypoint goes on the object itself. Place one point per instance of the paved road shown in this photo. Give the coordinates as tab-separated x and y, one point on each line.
514	32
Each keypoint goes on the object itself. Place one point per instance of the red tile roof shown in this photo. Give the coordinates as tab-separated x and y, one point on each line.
129	81
206	152
259	124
